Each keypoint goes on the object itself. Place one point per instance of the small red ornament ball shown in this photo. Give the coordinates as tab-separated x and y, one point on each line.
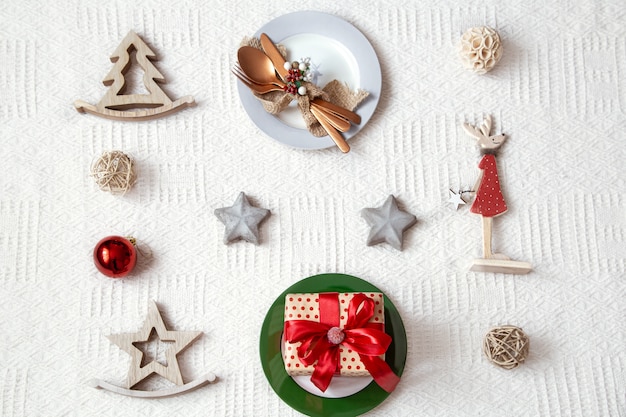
115	256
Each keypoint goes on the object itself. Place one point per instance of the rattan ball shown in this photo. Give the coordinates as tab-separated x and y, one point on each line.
506	346
481	49
114	172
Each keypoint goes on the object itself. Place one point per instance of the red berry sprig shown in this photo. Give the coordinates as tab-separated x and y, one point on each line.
295	78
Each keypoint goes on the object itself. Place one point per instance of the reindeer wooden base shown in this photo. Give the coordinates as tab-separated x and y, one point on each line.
502	266
489	202
119	106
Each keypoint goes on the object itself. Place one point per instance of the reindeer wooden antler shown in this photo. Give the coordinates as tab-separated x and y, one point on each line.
481	132
485	127
472	131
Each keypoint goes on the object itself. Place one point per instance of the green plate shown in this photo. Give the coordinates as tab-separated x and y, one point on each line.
293	394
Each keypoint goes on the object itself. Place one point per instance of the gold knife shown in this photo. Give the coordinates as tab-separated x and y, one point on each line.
332	132
350	115
275	56
279	64
338	122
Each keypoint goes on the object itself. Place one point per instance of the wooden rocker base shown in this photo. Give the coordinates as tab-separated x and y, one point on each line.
503	266
190	386
137	115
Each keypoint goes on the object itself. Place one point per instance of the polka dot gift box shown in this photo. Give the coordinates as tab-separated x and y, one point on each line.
328	334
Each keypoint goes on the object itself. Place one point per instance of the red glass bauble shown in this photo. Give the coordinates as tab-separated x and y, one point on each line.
115	256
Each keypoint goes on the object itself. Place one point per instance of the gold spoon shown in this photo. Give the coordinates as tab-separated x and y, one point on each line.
257	66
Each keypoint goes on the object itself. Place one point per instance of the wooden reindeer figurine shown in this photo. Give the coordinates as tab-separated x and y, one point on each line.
489	202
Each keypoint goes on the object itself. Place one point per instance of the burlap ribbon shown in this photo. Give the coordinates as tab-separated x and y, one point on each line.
335	92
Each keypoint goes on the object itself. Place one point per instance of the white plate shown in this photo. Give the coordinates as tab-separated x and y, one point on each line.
340	386
340	50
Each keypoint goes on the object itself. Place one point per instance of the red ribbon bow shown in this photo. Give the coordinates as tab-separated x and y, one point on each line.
359	336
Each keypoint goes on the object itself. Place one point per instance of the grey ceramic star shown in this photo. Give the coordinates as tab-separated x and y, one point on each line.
241	220
388	223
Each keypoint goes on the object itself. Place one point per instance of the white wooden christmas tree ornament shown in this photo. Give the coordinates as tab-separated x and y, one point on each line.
139	370
118	105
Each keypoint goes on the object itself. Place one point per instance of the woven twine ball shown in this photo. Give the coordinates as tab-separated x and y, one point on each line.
506	346
114	172
481	49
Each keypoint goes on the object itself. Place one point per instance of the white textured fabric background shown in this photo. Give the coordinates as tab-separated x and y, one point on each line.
559	93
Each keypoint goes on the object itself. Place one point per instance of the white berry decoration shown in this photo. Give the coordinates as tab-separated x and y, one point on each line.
297	74
481	49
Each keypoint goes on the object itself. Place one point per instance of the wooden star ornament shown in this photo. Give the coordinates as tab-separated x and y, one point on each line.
178	341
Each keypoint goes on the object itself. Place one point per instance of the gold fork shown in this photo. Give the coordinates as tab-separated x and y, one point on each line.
259	88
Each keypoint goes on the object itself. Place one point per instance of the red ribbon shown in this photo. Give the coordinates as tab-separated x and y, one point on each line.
360	336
